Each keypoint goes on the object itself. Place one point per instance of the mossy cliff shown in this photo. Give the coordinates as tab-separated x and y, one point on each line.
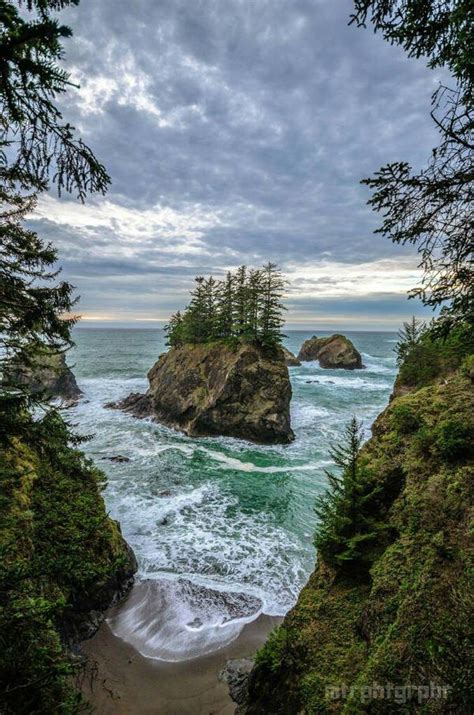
237	389
63	561
405	615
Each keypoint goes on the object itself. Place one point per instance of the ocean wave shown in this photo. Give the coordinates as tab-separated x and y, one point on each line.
176	619
192	533
227	462
334	381
219	513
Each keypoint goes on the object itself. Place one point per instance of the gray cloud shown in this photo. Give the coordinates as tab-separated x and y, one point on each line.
260	114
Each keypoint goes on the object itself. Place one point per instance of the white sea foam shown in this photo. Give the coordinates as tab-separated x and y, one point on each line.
176	619
347	382
191	534
220	514
307	414
227	462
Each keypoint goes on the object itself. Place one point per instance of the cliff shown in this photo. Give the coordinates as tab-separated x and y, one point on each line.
63	562
336	351
50	376
240	390
403	617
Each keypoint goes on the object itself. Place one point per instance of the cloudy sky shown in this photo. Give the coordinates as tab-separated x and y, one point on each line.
236	131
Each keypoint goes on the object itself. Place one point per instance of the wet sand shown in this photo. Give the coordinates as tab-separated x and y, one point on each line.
125	682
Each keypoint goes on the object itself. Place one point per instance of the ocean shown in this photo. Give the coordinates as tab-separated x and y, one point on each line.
222	528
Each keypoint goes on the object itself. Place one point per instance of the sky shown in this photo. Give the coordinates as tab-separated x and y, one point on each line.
237	132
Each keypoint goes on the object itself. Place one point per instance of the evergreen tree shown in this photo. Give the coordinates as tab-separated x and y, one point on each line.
348	529
245	306
31	313
195	316
211	308
35	145
241	302
225	307
410	336
35	142
255	293
174	330
271	315
432	208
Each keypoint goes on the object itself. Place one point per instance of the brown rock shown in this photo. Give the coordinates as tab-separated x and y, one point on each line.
290	359
50	375
239	391
337	351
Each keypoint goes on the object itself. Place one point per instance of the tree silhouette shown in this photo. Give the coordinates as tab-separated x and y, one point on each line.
432	209
36	147
36	144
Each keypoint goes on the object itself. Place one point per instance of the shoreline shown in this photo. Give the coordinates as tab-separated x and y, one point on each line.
121	681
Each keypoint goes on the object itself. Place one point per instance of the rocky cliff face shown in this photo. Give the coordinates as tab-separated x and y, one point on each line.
51	375
337	351
239	391
405	618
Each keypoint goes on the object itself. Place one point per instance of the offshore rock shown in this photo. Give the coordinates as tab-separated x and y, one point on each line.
290	359
50	376
238	390
337	351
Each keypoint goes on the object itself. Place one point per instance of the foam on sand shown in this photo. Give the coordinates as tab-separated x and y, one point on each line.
175	620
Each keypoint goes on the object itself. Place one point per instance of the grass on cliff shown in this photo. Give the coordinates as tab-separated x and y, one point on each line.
58	549
403	615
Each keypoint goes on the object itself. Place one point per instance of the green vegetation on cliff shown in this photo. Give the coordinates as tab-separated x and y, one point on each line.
61	557
385	623
397	610
246	306
62	560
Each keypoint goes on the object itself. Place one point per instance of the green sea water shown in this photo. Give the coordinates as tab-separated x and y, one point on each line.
215	520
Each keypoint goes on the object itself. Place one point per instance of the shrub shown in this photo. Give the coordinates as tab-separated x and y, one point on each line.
405	420
453	440
271	655
422	364
467	367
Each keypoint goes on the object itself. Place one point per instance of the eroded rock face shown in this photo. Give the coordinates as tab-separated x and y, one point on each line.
236	676
52	376
337	351
242	391
89	611
290	359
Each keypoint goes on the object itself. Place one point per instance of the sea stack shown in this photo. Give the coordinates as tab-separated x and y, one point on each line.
50	375
290	359
337	351
240	390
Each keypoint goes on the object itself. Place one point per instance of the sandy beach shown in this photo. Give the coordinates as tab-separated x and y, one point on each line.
127	682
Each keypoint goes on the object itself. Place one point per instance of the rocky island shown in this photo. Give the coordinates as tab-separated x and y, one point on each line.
226	372
336	351
219	390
